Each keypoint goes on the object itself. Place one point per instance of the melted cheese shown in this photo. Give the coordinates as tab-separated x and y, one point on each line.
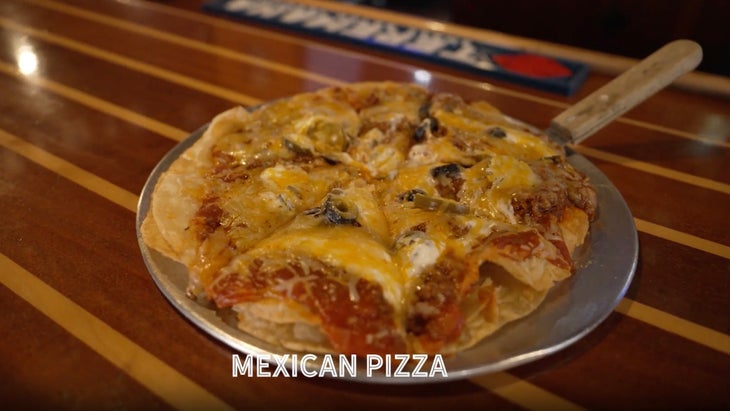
411	178
490	184
369	213
527	146
416	252
279	177
436	151
508	173
350	248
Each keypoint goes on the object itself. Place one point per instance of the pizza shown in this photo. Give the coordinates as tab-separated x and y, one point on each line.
371	218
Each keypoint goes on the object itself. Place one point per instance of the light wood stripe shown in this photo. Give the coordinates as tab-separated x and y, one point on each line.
523	393
325	80
97	104
653	169
163	380
89	181
132	64
185	42
675	325
679	237
712	141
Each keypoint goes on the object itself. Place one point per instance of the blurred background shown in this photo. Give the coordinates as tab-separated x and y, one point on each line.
631	28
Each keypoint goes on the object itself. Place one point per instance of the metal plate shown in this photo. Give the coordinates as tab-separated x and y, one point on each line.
606	265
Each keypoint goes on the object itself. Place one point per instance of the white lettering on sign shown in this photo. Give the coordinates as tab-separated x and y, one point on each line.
392	35
298	14
468	53
330	23
266	10
430	43
363	29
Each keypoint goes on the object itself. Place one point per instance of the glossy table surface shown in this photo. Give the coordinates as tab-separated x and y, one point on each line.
92	96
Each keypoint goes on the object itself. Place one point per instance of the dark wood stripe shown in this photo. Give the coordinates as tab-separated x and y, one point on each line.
196	64
155	98
115	150
685	282
625	365
54	380
683	207
664	150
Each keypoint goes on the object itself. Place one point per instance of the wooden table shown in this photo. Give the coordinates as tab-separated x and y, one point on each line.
93	94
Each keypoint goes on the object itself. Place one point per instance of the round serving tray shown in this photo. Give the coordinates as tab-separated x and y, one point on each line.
606	265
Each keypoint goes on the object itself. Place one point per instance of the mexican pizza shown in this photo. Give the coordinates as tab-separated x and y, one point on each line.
371	218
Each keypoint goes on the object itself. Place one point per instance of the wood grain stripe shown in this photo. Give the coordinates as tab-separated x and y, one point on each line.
98	104
675	325
522	393
682	238
185	42
713	141
325	80
163	380
653	169
131	64
91	182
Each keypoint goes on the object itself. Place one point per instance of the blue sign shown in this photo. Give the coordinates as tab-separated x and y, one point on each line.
538	71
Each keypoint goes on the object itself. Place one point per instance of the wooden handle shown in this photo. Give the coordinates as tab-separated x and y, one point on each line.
625	91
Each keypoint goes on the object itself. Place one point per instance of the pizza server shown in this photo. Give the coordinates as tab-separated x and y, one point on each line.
625	92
